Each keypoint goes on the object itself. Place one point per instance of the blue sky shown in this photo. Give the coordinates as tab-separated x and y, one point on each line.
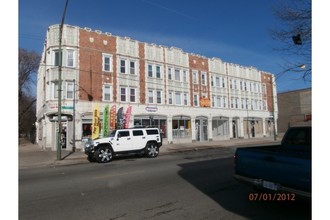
235	31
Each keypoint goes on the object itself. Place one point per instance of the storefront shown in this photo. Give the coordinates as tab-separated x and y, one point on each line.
220	128
181	127
157	121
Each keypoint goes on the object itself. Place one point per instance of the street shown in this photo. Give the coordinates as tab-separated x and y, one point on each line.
184	185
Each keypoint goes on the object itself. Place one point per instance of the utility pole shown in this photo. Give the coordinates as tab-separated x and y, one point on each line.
74	117
272	83
59	106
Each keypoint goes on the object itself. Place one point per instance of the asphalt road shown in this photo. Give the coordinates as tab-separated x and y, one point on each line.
187	185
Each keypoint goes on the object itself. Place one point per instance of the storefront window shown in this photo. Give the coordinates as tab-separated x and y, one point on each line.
181	127
87	130
152	121
220	127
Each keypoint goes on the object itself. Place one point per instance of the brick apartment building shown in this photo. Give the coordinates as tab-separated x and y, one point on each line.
295	108
188	96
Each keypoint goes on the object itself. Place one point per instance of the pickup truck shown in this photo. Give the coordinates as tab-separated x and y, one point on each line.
284	168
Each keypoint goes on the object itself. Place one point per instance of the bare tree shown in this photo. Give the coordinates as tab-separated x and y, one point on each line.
295	34
28	64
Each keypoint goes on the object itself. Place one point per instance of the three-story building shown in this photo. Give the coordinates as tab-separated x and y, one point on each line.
187	96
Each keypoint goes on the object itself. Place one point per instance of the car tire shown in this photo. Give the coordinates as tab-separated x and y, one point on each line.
104	154
152	150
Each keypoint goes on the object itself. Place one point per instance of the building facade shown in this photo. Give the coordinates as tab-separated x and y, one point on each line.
188	96
295	108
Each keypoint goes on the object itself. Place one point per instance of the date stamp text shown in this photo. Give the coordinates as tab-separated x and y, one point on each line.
272	197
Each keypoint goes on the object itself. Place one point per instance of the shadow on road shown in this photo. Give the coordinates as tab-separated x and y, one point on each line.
215	179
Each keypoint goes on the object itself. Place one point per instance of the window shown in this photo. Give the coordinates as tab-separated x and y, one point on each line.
169	73
150	70
107	63
132	67
132	95
170	98
137	133
152	131
203	78
184	75
219	101
177	75
195	77
107	92
158	74
123	134
123	66
55	90
127	94
185	98
159	97
70	58
57	57
123	94
217	81
196	100
150	96
69	90
178	98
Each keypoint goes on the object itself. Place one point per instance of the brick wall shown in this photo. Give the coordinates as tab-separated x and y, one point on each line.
91	47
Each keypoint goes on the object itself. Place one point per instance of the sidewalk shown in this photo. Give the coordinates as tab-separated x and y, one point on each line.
31	156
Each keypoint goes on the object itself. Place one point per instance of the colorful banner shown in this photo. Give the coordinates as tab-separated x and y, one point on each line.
106	121
120	118
113	117
128	116
96	122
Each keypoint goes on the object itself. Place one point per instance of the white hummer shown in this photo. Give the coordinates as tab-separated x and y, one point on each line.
142	141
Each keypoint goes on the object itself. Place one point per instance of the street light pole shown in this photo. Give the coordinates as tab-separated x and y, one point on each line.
59	106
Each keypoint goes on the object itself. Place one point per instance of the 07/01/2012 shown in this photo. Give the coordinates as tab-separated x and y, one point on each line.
272	197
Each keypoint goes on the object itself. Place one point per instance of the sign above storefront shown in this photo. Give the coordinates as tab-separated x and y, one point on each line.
151	108
205	102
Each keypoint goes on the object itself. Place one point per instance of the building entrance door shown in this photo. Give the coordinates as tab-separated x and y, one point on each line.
201	129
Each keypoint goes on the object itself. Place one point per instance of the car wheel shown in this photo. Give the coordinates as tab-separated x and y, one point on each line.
103	155
152	150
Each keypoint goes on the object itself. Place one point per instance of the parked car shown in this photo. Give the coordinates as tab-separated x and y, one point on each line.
142	141
280	168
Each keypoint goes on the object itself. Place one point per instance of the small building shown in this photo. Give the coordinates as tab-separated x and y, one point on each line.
189	97
295	108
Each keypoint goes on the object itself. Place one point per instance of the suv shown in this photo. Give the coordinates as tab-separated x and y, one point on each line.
142	141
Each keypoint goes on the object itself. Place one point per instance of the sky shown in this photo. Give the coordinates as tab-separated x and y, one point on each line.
236	31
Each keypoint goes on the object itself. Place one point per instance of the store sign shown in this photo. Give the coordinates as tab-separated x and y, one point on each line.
205	102
151	108
64	106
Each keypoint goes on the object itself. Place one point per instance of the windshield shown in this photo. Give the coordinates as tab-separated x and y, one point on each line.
112	134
